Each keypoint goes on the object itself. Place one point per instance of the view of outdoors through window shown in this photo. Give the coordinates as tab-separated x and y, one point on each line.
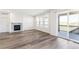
63	23
69	25
74	23
42	21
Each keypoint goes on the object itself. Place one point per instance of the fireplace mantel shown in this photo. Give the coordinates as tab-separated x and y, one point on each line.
13	26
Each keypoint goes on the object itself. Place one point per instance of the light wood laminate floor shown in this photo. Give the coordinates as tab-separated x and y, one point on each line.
34	39
31	39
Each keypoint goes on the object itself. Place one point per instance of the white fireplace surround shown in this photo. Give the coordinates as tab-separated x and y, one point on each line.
12	27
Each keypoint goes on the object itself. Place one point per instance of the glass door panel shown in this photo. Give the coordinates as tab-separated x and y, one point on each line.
37	21
62	26
74	26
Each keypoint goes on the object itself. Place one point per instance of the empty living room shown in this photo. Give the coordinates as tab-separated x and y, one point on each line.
39	29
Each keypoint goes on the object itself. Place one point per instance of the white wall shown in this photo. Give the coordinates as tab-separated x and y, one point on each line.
16	18
41	28
4	23
53	23
28	22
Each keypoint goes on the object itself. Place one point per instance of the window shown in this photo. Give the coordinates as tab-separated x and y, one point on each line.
68	26
74	26
62	26
42	21
37	21
46	21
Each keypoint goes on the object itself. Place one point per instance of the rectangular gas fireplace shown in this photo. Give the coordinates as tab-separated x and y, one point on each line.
17	27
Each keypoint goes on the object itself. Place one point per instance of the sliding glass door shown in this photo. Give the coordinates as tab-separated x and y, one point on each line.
68	25
74	26
62	25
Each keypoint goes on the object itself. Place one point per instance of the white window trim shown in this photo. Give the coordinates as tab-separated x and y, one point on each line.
67	12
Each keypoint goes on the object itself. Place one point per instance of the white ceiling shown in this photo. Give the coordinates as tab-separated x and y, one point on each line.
30	12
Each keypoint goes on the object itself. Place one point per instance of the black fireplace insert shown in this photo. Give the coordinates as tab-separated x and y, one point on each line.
17	27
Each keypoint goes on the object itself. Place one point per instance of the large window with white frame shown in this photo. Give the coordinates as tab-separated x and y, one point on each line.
62	25
68	25
46	22
74	25
42	22
37	21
